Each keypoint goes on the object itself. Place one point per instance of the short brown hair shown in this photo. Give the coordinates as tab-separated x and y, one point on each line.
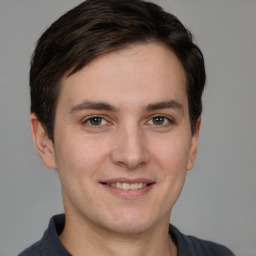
96	27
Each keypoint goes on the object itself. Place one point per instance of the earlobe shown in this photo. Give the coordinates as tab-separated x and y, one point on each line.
43	144
194	145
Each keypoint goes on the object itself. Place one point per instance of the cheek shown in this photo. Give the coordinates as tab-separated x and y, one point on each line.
77	164
172	153
171	158
79	156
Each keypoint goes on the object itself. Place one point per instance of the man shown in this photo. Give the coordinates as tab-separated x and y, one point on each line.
116	92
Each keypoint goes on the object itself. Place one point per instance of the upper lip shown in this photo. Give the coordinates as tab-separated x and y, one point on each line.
127	180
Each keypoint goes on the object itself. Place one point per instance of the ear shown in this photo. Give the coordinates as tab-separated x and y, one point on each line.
43	144
194	145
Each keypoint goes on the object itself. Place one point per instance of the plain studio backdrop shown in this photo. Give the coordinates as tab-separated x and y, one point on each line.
219	198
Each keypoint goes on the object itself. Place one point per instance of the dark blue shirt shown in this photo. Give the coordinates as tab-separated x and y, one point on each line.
50	244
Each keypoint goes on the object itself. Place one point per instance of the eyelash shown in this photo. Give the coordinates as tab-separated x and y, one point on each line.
88	121
166	121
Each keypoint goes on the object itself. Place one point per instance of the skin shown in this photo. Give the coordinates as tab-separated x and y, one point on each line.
123	117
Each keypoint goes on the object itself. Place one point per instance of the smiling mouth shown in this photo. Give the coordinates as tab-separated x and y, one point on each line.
127	186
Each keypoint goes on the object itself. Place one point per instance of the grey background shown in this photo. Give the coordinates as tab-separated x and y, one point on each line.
219	199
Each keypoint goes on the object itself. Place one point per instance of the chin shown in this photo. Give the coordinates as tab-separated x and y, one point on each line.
132	224
130	228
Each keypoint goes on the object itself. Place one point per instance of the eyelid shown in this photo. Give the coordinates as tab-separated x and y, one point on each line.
168	118
85	120
88	118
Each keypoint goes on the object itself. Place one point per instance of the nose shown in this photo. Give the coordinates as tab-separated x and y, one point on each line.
130	149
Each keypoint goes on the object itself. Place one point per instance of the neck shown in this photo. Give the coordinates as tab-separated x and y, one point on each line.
81	240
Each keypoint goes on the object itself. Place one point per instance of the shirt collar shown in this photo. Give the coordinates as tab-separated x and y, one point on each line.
50	243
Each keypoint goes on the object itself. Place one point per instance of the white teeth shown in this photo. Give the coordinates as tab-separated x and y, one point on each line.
118	185
127	186
142	185
134	186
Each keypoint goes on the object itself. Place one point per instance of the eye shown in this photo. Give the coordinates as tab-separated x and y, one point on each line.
95	121
160	120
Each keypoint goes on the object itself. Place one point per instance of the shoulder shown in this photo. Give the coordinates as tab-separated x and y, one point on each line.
49	245
191	245
33	250
203	247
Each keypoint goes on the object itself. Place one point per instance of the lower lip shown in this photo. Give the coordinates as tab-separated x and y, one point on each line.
129	193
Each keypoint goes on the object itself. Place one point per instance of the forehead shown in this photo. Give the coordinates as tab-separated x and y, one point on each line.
138	74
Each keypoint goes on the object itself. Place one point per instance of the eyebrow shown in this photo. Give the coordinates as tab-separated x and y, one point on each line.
93	106
172	104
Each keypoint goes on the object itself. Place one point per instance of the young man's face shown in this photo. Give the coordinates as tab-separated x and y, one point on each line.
122	139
